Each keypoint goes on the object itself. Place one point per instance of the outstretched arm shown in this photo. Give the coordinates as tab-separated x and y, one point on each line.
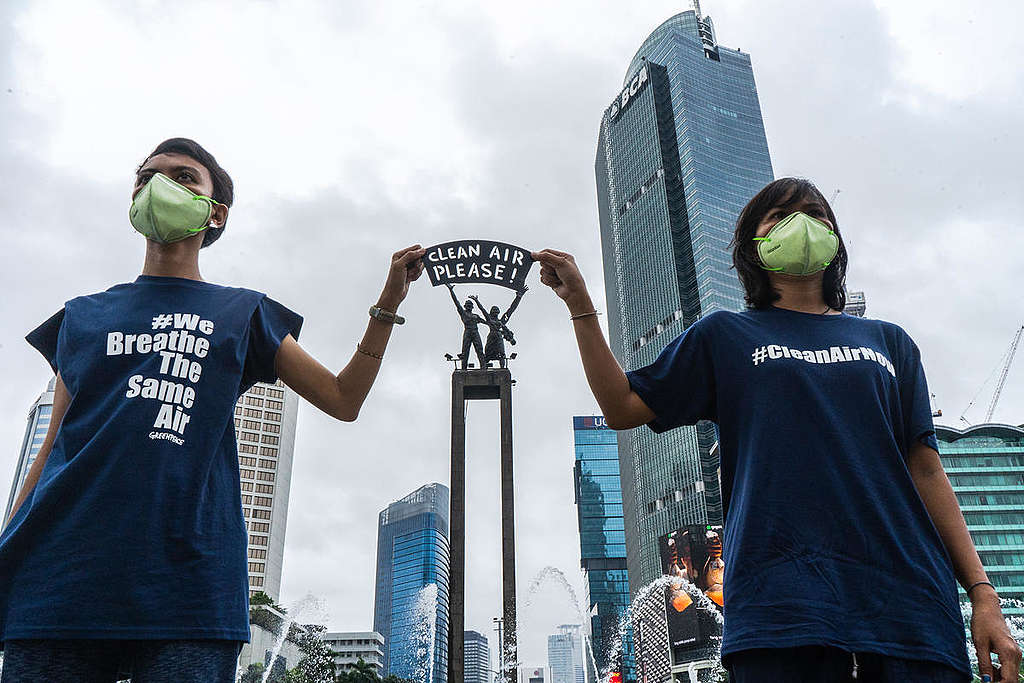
515	302
342	395
455	299
623	408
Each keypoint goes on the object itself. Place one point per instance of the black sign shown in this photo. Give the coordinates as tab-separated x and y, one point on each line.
692	555
478	261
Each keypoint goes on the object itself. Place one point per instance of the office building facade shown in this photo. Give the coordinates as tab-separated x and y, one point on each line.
477	656
36	426
353	647
602	542
565	655
265	418
985	465
681	149
411	600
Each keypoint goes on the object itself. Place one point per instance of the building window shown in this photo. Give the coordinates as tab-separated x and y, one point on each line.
272	440
268	451
268	464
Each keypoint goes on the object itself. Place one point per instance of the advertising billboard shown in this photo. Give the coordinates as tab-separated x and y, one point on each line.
692	557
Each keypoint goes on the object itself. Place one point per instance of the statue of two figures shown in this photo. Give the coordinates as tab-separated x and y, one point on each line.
498	332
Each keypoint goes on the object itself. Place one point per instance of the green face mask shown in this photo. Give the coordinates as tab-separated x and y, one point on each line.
798	245
166	212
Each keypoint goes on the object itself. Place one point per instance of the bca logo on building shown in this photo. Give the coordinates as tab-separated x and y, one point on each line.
628	93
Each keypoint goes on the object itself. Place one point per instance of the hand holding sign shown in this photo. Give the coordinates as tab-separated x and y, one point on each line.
558	271
406	267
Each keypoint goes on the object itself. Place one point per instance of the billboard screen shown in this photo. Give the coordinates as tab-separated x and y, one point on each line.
692	554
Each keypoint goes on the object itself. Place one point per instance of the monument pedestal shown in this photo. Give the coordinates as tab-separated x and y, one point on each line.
474	385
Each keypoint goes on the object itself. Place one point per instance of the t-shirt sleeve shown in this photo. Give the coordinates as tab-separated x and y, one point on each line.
915	401
270	324
44	338
679	387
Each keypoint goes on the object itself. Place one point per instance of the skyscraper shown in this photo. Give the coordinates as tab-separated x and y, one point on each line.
602	539
477	653
265	419
35	431
681	150
985	465
856	304
565	655
411	603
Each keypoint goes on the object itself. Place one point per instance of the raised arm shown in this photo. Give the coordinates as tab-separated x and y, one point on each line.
479	306
455	299
342	395
512	307
622	407
60	406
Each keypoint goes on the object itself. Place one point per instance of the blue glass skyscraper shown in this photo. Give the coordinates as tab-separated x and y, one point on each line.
602	540
681	150
411	602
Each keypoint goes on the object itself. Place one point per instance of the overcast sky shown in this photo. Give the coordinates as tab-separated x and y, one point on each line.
352	129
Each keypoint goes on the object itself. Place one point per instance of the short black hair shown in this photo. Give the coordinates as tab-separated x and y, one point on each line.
223	188
784	192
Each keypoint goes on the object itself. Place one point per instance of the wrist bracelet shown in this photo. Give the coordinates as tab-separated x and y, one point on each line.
386	316
975	585
371	354
583	315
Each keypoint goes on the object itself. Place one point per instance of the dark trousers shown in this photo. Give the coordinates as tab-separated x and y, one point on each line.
107	661
819	664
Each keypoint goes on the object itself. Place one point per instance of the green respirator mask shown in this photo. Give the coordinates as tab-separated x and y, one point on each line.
798	245
165	212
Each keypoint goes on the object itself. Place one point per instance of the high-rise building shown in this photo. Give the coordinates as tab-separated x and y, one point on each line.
477	656
35	431
353	647
985	465
565	655
856	304
603	542
681	150
411	602
265	419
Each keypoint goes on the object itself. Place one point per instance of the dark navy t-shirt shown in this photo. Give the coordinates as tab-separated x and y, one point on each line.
135	528
827	541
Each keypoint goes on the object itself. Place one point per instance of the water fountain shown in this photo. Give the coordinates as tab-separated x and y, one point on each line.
311	608
425	632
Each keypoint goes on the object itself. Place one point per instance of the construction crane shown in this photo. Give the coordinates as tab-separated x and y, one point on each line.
1006	363
832	199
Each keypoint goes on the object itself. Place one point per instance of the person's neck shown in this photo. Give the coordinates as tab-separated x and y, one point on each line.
800	293
178	259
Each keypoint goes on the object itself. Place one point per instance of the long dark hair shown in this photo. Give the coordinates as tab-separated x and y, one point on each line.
784	193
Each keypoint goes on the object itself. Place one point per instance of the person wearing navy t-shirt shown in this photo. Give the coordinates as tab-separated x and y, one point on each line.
125	553
843	538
